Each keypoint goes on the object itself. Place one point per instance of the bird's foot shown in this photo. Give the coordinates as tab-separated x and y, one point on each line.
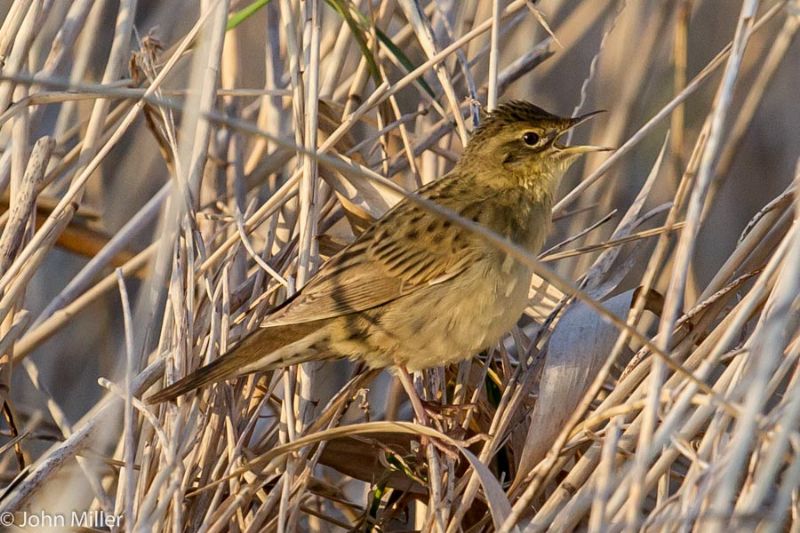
441	411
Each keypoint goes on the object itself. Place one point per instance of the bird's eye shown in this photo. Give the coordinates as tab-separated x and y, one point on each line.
530	138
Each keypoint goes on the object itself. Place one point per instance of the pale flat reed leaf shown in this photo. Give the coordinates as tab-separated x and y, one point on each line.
329	113
496	498
578	346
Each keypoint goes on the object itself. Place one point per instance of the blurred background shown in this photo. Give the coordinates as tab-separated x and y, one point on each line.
628	58
632	46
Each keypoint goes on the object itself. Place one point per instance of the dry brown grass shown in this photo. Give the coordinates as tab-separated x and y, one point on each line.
206	171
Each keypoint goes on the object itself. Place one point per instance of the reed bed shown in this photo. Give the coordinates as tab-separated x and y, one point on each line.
172	171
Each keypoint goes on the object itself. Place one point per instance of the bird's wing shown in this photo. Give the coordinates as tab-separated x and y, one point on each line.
409	248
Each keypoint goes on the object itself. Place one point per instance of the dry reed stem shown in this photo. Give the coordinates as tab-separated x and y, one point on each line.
699	429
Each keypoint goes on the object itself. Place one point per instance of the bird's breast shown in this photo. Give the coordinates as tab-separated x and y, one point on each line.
524	221
456	319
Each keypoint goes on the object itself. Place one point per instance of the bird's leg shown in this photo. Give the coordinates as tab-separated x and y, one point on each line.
426	443
441	411
413	397
425	409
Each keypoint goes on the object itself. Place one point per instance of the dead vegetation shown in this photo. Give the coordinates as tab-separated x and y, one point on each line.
198	161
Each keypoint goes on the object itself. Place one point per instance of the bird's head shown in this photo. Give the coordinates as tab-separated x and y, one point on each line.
523	139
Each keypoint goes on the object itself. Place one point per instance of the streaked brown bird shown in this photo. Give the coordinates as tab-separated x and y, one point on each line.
415	290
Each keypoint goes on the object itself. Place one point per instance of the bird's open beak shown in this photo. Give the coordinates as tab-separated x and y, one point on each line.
579	149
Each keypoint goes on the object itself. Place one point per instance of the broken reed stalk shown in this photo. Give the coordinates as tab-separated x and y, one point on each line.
356	103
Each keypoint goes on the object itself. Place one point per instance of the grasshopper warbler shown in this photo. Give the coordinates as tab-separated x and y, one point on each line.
415	290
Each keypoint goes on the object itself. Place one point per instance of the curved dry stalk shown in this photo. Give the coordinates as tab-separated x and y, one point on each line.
286	135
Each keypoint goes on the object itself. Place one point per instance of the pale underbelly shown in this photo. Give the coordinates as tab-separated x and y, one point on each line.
447	322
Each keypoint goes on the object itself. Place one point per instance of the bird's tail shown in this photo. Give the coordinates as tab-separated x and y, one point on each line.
260	350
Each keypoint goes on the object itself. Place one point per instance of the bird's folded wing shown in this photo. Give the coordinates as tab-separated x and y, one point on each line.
407	250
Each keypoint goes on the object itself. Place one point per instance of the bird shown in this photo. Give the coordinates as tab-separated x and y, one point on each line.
414	290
